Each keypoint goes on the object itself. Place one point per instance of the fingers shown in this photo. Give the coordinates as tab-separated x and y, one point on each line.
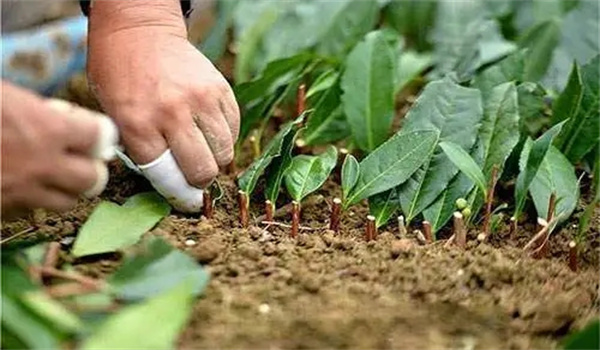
231	111
77	175
217	134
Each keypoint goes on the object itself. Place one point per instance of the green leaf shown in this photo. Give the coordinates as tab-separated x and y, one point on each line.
368	85
586	339
154	324
25	328
567	104
464	39
556	175
410	65
582	131
463	161
327	122
350	172
52	311
278	167
383	206
531	160
111	227
510	69
455	112
392	163
578	42
308	173
323	82
499	132
540	41
441	210
247	180
215	43
156	268
532	108
413	19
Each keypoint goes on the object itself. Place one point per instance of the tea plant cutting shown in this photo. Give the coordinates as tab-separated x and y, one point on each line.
407	154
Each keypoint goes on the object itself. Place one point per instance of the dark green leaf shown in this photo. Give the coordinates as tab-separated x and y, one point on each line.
368	85
455	112
327	122
308	173
510	69
567	104
392	163
556	175
323	82
582	132
440	211
383	206
278	167
531	160
413	19
154	324
111	227
532	108
247	180
350	172
586	339
463	161
540	42
156	268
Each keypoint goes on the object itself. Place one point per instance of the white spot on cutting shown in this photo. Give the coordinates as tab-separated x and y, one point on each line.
190	242
264	309
460	272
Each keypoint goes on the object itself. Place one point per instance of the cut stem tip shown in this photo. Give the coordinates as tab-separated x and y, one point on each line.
336	209
370	229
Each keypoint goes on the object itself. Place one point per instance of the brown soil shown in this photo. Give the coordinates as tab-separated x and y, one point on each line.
326	290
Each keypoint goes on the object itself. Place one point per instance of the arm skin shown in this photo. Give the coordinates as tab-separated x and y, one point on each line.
161	91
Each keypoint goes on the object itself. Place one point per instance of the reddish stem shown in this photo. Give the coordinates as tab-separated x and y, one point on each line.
243	204
370	228
269	207
488	201
295	218
207	205
72	276
460	232
573	256
69	289
51	258
336	209
427	231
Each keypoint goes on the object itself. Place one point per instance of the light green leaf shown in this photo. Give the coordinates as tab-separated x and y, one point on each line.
567	104
410	65
531	160
392	163
308	173
581	133
247	180
462	160
323	82
540	41
368	85
510	69
215	43
383	206
52	311
327	122
556	175
455	112
111	227
350	172
154	324
278	167
154	269
440	211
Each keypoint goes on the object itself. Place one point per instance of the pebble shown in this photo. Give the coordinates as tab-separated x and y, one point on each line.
190	242
401	247
264	309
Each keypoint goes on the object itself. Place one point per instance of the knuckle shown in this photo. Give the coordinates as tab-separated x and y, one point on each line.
205	175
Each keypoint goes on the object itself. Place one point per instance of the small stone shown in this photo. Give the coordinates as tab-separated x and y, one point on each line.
401	247
264	309
190	242
311	285
460	272
250	251
207	252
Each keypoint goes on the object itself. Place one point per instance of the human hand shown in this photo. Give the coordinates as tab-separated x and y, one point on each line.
52	152
166	96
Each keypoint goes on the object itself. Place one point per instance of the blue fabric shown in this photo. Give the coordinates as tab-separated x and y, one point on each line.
45	57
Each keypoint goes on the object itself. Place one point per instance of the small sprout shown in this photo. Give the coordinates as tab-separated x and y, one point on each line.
402	227
336	209
466	212
461	203
496	220
573	256
370	228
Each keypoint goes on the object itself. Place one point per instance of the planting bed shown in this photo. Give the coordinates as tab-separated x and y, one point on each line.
325	290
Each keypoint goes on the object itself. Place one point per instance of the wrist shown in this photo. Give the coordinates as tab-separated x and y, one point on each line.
151	17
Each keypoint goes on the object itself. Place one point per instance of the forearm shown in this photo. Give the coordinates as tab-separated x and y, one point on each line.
158	16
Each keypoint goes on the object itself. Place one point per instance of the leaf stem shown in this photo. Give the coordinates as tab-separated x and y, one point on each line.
243	205
295	218
488	202
336	209
269	208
